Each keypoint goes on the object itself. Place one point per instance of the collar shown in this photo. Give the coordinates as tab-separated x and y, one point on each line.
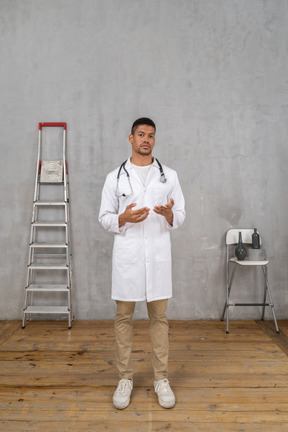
129	166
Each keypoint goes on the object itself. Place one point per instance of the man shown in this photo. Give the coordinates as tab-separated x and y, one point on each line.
141	202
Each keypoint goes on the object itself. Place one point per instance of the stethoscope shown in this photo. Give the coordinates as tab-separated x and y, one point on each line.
163	178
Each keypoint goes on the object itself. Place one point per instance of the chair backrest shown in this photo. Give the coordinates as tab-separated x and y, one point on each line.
232	235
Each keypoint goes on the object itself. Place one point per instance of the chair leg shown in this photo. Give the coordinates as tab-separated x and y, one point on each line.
270	299
265	296
272	308
227	320
224	311
226	306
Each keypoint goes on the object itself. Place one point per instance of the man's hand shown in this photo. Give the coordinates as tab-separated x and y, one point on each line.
166	211
133	216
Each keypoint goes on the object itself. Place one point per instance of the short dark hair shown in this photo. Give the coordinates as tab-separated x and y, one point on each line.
142	121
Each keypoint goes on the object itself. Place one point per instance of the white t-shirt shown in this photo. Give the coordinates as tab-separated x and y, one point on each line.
142	172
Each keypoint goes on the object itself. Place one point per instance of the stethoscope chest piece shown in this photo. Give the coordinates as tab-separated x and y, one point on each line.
163	178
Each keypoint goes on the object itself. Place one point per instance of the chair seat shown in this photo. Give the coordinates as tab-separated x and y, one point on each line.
249	263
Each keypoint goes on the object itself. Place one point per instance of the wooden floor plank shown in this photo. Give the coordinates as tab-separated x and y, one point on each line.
55	379
134	412
181	380
280	339
144	345
195	366
197	396
142	355
136	426
7	329
99	408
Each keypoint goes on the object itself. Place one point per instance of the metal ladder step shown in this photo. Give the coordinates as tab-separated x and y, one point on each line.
49	203
48	245
47	288
61	183
46	310
38	266
49	224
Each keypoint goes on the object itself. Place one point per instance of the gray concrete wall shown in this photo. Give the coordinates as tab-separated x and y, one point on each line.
213	76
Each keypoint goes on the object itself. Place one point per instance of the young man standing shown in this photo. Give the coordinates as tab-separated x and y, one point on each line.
141	202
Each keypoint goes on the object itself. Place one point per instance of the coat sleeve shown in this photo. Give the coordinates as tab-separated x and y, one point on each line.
179	204
108	214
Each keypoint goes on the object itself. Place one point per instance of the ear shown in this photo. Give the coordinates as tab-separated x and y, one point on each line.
131	138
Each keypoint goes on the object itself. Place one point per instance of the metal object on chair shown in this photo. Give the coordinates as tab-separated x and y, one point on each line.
232	239
50	257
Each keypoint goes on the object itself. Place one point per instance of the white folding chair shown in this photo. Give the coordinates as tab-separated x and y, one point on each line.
232	240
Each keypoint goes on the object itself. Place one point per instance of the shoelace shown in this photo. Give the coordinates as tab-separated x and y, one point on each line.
123	384
163	386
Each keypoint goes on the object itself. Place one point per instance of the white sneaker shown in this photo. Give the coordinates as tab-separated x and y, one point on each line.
121	397
165	395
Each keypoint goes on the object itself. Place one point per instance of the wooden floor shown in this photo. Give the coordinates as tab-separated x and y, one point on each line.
55	379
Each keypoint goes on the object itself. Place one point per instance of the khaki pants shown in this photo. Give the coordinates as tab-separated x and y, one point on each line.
158	335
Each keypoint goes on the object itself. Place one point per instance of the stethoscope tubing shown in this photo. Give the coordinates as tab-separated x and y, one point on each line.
122	166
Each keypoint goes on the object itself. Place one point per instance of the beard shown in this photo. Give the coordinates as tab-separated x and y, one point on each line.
144	152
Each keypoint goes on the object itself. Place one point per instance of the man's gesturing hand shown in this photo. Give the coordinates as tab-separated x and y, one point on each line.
133	216
166	211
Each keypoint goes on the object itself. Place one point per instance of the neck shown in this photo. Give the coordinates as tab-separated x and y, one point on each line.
141	160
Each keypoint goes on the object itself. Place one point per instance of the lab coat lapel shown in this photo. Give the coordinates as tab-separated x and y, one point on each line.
153	172
134	176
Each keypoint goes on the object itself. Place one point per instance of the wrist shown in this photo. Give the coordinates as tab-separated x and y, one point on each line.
121	220
169	218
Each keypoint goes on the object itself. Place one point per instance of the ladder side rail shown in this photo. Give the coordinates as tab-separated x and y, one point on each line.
68	248
67	238
38	167
67	215
67	230
66	189
65	168
33	235
70	317
69	253
31	240
70	292
67	207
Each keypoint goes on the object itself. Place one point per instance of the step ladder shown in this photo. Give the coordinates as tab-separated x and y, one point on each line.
49	272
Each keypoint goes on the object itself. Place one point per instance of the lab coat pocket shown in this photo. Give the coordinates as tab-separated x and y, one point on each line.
125	252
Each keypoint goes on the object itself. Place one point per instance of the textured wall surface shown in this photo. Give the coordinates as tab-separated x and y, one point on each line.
213	76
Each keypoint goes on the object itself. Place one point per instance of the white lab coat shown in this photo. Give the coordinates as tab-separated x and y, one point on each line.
141	262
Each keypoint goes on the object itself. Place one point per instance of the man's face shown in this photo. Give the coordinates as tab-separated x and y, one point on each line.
143	140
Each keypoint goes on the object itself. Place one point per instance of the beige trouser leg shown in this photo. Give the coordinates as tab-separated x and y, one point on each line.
159	337
158	334
124	336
